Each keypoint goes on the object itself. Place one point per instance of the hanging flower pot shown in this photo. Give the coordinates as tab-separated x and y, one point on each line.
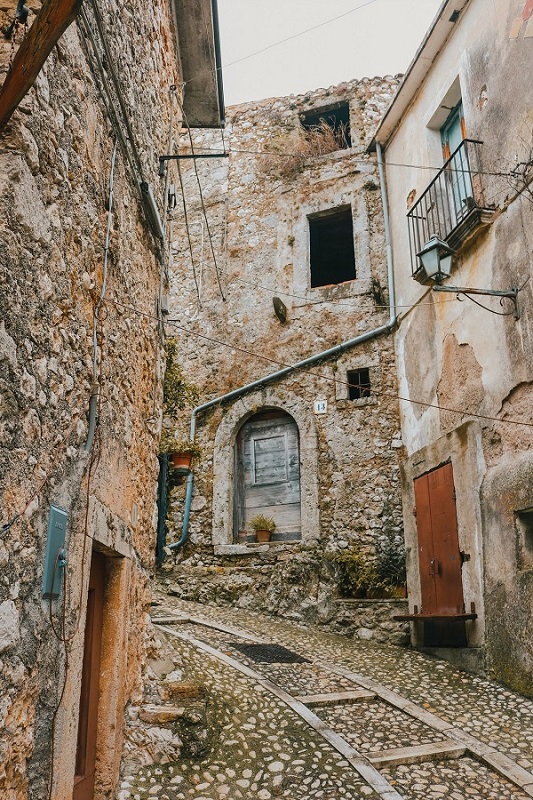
181	452
181	461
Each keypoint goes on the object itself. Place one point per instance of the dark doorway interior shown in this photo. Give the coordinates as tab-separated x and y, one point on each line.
88	712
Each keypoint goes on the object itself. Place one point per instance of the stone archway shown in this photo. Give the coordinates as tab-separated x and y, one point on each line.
224	466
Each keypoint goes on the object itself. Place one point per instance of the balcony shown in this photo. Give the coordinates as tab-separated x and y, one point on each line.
452	207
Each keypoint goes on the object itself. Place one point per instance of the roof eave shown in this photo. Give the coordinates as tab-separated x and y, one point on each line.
438	34
199	48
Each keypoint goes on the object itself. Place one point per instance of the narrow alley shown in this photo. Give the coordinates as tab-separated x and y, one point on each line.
301	713
266	400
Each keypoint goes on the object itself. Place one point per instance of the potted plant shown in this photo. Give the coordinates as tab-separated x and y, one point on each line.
180	451
263	527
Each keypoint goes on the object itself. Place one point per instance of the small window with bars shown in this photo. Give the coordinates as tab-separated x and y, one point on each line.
358	383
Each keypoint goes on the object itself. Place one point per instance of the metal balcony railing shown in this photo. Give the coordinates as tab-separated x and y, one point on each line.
452	206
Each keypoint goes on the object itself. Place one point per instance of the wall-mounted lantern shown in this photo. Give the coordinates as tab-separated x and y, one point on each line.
436	258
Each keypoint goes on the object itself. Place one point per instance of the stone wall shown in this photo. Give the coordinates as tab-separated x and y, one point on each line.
472	364
295	585
253	245
55	163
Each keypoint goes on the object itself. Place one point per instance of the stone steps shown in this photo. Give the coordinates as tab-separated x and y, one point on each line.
334	698
417	754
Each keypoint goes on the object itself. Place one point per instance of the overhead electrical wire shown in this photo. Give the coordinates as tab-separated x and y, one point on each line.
286	39
321	376
186	219
283	154
204	210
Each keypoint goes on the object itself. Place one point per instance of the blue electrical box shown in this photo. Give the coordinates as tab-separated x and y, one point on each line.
54	560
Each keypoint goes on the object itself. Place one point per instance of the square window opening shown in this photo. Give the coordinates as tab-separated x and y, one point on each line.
358	383
332	252
330	127
524	524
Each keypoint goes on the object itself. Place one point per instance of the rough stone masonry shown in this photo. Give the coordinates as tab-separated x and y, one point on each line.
250	246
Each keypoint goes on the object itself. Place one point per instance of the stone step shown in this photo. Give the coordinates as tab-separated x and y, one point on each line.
336	698
436	751
160	715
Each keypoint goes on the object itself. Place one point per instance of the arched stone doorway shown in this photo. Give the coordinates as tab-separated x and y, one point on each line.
267	473
224	473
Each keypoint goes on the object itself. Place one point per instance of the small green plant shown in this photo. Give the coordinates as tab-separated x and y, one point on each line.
177	392
356	573
390	560
262	523
168	443
381	575
370	186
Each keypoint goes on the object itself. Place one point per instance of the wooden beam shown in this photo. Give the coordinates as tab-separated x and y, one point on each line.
52	21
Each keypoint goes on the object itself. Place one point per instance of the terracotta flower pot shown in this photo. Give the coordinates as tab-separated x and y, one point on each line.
181	462
263	536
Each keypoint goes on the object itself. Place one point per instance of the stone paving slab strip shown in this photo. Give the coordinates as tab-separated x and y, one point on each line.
414	755
362	766
333	698
504	765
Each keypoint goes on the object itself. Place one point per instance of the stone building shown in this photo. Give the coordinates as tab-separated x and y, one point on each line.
280	306
461	124
82	263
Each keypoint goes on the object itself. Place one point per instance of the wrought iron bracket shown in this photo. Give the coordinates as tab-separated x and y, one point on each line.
162	159
511	294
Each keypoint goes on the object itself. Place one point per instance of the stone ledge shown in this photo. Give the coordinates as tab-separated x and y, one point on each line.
252	548
368	601
159	715
240	549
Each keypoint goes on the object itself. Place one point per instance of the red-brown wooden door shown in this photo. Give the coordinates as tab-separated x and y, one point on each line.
438	543
88	716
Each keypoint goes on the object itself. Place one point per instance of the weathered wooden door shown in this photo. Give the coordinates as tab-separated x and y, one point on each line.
268	472
439	557
88	715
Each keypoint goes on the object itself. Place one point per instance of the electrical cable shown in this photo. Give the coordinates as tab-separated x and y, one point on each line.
116	82
321	376
62	637
186	218
282	154
63	689
184	116
287	39
103	290
87	34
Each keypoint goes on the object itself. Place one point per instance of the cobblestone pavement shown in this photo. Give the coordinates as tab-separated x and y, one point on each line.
344	722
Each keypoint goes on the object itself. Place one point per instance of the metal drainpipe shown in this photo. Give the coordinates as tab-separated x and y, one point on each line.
336	350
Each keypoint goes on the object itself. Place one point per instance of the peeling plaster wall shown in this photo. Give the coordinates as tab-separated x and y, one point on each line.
55	159
257	204
455	354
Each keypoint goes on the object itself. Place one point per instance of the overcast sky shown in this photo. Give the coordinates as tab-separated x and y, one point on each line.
378	37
